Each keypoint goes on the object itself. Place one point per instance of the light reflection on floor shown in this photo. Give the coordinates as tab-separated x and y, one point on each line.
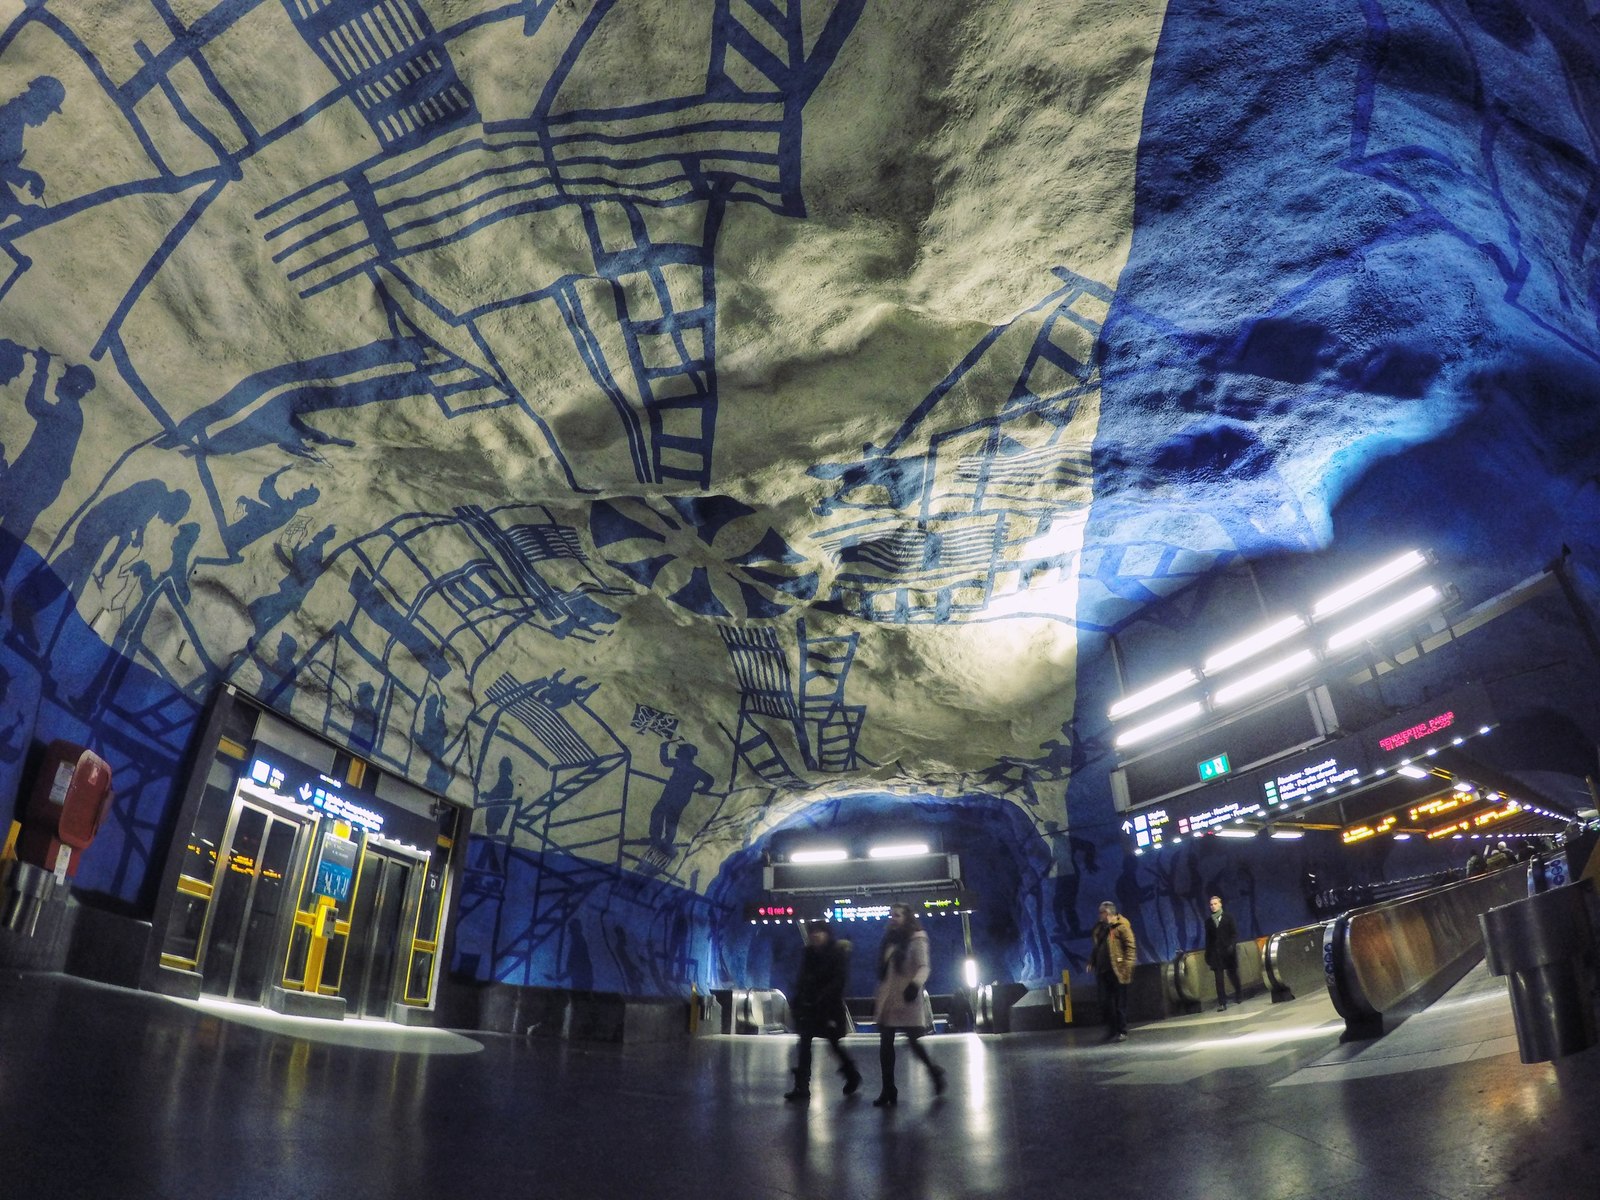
366	1035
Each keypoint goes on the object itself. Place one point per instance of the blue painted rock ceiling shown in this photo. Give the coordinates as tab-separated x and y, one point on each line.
670	414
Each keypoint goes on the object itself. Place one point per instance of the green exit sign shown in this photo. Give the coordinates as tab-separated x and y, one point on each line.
1213	767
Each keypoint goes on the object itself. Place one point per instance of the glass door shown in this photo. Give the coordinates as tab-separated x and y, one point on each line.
375	928
242	928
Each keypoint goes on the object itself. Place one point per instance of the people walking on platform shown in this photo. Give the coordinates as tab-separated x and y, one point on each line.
818	1007
1112	959
902	1004
1476	864
1222	951
1500	857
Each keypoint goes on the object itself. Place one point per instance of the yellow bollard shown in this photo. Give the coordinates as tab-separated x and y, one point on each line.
1066	996
321	933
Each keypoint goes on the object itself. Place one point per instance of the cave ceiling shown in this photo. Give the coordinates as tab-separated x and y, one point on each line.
574	403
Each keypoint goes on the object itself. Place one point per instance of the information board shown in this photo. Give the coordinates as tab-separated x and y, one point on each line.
1306	776
336	868
1212	756
1460	713
837	907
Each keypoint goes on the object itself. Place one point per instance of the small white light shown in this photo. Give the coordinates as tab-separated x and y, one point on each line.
1160	690
1250	646
1412	772
1282	669
1166	720
902	850
818	856
1384	618
1344	597
1464	786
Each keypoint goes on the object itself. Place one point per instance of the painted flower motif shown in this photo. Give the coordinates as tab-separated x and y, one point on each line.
703	555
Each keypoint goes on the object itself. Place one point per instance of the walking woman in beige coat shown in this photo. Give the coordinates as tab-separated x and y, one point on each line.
902	1004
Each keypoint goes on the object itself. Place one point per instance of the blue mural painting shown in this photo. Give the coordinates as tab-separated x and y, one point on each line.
101	546
954	519
384	255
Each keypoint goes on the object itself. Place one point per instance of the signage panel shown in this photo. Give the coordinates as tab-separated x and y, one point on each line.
843	907
296	781
336	868
1460	713
1160	825
1306	776
1219	753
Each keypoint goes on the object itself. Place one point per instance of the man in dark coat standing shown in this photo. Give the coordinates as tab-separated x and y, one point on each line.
1222	951
818	1007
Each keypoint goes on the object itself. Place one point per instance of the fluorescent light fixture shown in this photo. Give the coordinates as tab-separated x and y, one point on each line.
1145	697
1287	835
818	856
1373	581
1411	771
902	850
1392	615
1402	837
1263	678
1464	786
1166	720
1236	833
969	972
1249	647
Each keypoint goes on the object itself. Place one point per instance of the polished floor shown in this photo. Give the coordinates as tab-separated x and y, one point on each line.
125	1096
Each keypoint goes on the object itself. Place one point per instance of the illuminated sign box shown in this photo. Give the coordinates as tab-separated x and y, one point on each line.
1220	753
1153	828
840	907
855	874
1308	776
1461	713
322	793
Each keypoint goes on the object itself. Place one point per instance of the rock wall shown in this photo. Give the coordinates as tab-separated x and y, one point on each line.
646	421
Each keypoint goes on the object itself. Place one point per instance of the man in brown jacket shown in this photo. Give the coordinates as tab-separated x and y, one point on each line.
1112	959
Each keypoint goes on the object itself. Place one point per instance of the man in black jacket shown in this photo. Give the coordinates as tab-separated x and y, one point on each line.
818	1007
1222	951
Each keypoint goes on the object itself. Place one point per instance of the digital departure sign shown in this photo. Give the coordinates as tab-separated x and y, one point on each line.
869	907
1461	713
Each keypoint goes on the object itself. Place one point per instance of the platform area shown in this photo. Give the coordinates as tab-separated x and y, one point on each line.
120	1095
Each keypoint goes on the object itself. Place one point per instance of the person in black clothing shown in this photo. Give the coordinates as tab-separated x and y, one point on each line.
818	1007
1222	951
